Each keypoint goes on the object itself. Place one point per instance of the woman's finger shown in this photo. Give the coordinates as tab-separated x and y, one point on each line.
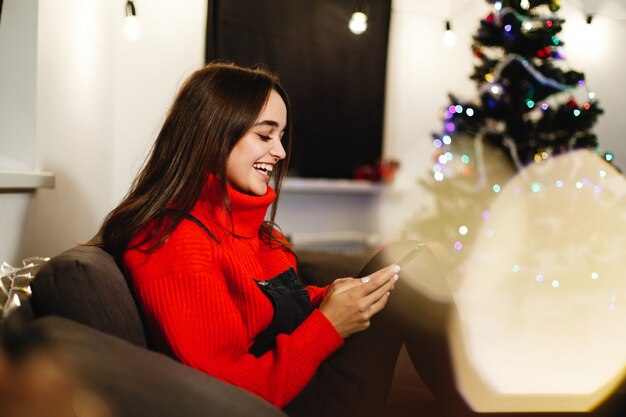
376	280
345	284
380	304
380	291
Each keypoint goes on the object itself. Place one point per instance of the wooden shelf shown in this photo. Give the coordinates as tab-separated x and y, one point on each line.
296	185
25	180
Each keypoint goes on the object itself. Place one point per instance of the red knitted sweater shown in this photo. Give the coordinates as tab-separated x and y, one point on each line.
203	306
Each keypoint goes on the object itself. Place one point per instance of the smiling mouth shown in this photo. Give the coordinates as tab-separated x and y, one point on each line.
265	169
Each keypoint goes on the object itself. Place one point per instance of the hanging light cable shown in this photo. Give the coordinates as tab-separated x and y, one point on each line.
449	37
132	29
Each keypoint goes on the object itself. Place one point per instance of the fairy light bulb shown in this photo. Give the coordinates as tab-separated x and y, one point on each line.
449	37
132	28
358	23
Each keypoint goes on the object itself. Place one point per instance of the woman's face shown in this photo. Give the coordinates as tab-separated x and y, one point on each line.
253	158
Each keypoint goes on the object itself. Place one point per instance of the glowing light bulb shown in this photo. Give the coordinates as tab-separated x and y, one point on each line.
469	111
497	5
447	139
132	28
536	187
449	37
358	23
463	230
495	89
525	4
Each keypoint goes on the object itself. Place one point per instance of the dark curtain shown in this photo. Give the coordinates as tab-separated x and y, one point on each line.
335	79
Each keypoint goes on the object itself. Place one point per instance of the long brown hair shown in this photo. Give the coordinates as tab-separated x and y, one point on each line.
213	110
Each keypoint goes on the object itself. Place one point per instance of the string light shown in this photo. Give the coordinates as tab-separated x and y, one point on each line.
449	37
358	21
132	28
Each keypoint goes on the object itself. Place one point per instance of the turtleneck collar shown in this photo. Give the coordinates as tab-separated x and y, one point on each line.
248	211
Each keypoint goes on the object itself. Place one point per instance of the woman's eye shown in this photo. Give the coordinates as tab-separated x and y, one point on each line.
264	137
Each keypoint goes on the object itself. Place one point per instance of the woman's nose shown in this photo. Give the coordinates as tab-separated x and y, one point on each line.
278	150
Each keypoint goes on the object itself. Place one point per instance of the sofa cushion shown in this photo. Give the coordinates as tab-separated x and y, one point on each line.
84	284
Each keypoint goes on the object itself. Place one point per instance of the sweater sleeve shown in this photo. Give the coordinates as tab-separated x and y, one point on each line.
185	294
316	294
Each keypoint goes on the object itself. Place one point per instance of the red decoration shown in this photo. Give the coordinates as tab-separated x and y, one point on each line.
544	52
586	106
489	18
384	171
549	23
572	103
478	52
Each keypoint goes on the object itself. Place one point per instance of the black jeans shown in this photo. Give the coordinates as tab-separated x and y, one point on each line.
355	380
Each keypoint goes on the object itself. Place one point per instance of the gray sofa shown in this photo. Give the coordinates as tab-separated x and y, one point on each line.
83	306
88	318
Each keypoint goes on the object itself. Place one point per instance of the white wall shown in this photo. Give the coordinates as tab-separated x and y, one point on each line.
99	101
148	74
18	56
74	113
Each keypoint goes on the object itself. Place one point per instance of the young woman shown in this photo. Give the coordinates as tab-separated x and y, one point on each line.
216	280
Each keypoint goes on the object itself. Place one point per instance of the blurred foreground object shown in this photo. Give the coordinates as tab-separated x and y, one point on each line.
542	298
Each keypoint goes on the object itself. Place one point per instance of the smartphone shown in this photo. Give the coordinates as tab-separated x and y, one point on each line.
412	254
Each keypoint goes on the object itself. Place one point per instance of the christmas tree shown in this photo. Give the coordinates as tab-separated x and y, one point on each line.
526	112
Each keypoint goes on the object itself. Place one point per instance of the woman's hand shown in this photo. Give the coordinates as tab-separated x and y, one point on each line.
350	303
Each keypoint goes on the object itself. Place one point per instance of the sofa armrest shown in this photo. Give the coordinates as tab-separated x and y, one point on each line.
135	382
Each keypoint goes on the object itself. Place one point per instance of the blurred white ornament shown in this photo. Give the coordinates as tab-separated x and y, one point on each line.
524	343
